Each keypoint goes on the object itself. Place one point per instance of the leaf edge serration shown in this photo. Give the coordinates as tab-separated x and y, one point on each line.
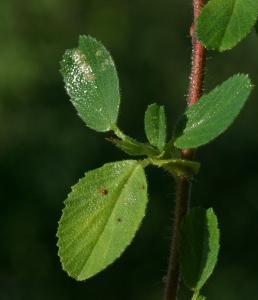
220	49
202	99
83	278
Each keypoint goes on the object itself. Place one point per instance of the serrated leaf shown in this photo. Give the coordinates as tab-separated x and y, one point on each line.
91	81
199	246
155	125
101	217
224	23
213	113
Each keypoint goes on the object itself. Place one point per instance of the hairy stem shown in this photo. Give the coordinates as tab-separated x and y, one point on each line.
183	185
198	59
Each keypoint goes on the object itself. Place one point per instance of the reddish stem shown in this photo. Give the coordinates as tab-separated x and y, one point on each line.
198	59
183	185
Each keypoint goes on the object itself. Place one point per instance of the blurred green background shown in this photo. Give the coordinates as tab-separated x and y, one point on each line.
45	147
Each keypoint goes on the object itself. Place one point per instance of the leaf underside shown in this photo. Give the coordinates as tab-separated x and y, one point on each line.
224	23
213	113
91	81
101	217
199	246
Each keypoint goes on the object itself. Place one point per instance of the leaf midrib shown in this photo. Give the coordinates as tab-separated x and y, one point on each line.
229	21
106	223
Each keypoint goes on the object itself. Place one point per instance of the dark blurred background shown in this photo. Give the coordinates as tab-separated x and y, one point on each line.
45	147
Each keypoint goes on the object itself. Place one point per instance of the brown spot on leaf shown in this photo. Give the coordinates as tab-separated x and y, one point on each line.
102	191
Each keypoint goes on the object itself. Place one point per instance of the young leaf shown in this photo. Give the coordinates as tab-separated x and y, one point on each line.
180	167
224	23
196	296
199	246
101	217
91	81
133	147
155	125
213	113
200	297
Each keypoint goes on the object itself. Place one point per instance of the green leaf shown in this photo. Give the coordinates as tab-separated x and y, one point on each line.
155	125
256	27
101	217
180	167
200	297
91	81
213	113
224	23
133	147
196	296
177	167
199	246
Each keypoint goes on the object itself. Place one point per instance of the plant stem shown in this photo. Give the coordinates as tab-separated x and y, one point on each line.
183	191
195	295
119	133
198	59
183	185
